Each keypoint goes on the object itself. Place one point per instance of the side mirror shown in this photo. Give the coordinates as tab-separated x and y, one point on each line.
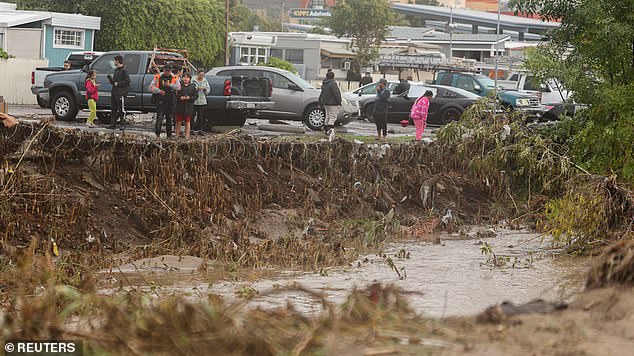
360	93
293	86
477	87
544	88
85	68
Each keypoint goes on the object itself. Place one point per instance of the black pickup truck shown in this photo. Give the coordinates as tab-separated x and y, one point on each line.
228	103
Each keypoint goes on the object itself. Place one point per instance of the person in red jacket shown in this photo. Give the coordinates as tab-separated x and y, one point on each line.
92	94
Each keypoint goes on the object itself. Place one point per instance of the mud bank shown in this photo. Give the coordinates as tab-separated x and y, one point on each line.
75	202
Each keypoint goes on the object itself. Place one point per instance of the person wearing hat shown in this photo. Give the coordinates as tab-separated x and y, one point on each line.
163	87
380	108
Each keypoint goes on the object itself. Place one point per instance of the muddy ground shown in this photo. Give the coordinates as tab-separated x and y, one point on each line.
77	202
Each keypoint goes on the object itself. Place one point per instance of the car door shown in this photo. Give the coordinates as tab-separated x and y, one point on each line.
399	106
287	101
436	104
467	83
104	66
132	62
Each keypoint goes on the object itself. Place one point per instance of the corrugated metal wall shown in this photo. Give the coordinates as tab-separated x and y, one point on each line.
16	80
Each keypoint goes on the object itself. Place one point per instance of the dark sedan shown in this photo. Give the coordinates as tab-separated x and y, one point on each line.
447	104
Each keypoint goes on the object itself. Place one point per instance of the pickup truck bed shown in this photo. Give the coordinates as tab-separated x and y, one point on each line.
66	90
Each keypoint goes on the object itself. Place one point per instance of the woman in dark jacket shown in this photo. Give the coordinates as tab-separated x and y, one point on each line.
185	104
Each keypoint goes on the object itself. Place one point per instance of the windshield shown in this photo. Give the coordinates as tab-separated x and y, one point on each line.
486	81
299	81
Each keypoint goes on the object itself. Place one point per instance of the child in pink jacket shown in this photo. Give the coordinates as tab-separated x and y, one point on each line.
92	95
418	113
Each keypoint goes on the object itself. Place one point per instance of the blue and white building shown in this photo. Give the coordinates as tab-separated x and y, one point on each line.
45	35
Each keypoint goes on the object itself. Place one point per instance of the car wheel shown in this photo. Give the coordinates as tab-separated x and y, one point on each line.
315	117
41	102
64	107
368	112
451	114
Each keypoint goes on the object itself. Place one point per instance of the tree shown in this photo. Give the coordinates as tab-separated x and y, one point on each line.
244	19
280	63
144	24
364	20
592	52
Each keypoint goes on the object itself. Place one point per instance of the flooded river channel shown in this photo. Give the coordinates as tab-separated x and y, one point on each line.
457	276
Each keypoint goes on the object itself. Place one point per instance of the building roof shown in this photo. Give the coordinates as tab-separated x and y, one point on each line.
300	35
14	18
409	33
481	38
337	53
479	18
9	17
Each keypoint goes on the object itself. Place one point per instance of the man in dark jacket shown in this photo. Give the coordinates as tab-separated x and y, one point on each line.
380	108
366	80
402	86
120	83
330	99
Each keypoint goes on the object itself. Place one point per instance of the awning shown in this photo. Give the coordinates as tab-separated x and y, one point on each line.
337	53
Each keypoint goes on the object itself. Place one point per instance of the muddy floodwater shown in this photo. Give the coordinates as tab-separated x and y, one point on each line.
450	278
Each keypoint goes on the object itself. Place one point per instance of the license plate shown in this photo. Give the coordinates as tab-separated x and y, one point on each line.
250	105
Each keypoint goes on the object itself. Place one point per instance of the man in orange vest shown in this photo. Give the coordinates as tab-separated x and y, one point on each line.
163	88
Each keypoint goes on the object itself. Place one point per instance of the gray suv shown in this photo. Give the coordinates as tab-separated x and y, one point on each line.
294	98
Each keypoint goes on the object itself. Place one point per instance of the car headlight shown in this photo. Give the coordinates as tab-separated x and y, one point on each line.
522	102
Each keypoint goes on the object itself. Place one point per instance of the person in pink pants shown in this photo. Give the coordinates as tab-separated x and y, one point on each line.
418	113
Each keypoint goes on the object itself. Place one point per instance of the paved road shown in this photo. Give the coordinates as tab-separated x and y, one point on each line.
144	124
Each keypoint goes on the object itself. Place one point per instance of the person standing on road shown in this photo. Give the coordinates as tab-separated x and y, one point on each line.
120	83
163	87
202	87
330	99
366	80
419	111
184	109
380	109
402	86
92	95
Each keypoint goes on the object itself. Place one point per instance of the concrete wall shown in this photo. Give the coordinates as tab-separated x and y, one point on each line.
16	79
312	53
56	56
24	43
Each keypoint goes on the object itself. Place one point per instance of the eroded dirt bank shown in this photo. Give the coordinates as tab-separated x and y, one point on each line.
242	205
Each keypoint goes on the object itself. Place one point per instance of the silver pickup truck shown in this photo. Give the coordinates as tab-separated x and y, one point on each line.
65	91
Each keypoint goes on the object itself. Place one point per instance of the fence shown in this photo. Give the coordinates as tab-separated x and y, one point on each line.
15	84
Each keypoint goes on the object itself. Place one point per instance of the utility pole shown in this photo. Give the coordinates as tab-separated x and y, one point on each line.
282	23
497	48
226	32
450	34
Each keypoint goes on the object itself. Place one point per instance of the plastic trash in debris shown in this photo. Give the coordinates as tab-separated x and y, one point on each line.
427	140
447	217
505	133
357	185
55	250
